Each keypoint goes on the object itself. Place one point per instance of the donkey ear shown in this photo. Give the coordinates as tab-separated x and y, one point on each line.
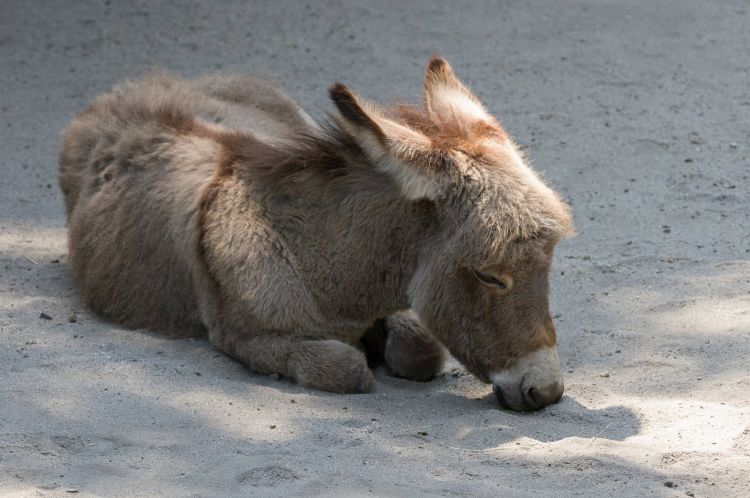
447	99
360	119
396	149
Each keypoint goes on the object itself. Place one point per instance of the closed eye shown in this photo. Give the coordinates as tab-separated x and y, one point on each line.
488	279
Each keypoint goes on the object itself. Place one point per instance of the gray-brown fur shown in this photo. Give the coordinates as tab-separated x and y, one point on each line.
218	205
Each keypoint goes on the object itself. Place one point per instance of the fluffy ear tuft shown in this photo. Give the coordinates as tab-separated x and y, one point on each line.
446	99
439	72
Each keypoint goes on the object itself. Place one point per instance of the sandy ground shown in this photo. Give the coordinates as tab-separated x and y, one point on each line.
638	114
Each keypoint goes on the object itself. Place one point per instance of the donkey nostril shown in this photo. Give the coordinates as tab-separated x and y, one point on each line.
541	397
530	398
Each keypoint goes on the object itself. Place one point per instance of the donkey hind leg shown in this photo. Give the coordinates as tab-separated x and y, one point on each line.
325	364
410	349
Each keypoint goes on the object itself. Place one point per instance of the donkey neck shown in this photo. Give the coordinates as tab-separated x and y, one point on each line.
357	241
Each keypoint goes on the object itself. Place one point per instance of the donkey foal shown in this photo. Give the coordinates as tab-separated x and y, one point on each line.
218	206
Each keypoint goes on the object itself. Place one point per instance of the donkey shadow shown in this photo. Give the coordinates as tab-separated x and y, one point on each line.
481	424
447	412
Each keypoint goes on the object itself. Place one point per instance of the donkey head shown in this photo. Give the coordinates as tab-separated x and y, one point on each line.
482	283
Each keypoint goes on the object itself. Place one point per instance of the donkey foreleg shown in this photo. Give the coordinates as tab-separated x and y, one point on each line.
407	347
325	364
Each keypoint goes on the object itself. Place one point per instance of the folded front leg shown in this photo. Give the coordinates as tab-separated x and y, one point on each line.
407	347
324	364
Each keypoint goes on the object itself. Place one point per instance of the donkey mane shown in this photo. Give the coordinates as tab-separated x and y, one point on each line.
332	153
327	155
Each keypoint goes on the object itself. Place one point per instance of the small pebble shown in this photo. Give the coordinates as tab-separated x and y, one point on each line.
45	316
604	374
670	484
689	493
275	376
272	426
733	145
72	318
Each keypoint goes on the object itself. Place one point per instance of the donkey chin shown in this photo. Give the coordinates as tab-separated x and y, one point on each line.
534	382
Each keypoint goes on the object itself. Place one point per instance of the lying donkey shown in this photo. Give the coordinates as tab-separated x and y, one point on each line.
218	205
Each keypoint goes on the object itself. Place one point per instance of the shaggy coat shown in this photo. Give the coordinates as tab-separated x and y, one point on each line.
219	207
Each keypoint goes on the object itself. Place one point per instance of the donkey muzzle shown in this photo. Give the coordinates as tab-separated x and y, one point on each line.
531	398
534	382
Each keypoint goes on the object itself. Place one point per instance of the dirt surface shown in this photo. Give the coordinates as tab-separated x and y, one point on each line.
638	114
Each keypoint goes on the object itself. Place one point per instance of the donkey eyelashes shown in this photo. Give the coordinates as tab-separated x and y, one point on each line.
489	279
